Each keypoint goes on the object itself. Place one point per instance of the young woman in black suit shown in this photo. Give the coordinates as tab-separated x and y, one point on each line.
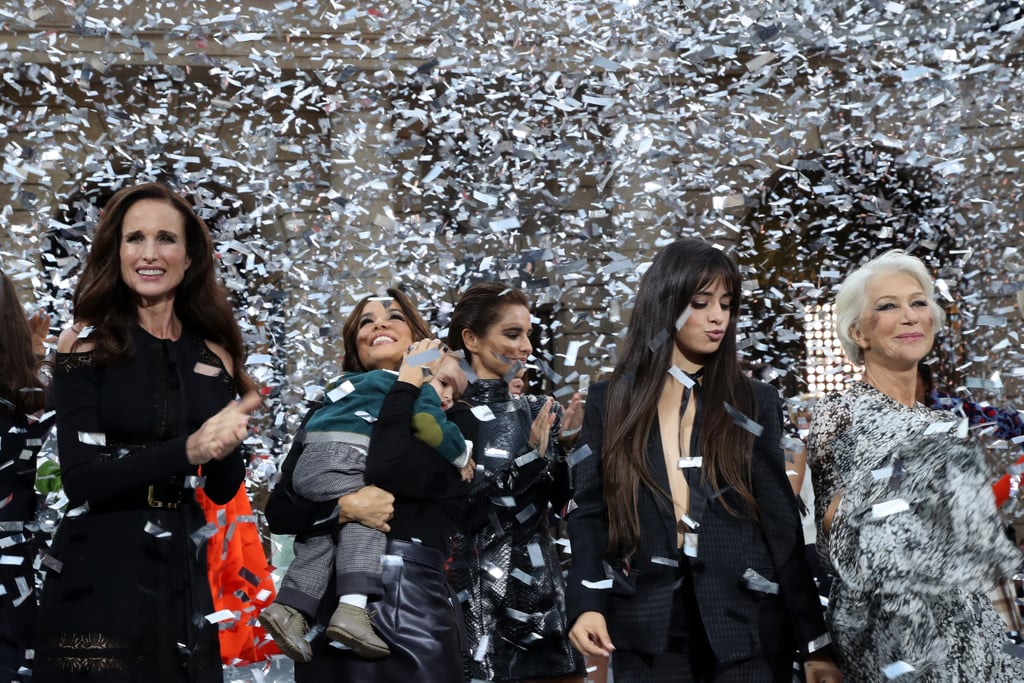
688	559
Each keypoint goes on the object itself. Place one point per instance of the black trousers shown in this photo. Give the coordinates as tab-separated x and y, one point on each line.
688	655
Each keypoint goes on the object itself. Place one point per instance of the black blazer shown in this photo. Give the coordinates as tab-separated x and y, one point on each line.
638	608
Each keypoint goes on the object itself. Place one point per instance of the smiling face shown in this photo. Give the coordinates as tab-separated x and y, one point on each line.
897	329
706	323
382	335
153	250
449	382
507	340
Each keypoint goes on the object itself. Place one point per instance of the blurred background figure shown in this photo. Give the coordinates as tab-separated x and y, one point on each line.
23	428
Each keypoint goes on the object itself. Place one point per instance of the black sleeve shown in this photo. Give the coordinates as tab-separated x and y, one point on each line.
221	478
782	529
562	482
588	522
394	461
20	441
289	513
86	471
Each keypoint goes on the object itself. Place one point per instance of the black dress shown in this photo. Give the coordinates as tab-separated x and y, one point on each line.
21	437
126	593
418	615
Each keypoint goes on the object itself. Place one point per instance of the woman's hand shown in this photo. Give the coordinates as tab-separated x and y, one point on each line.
39	326
221	434
423	367
370	506
590	636
467	471
540	431
821	670
572	421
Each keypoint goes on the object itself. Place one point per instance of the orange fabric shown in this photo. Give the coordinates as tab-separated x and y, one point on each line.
232	568
1002	487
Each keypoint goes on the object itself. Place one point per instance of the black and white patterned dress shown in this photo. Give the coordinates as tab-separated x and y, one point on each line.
914	545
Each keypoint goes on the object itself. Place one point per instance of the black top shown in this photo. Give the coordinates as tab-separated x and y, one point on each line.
124	427
429	495
21	438
126	591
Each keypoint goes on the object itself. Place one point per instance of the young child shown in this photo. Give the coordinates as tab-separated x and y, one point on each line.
332	464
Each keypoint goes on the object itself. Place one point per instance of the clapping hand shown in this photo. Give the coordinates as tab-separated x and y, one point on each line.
39	326
223	432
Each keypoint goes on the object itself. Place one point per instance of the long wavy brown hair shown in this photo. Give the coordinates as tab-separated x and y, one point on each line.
665	291
103	300
420	328
20	387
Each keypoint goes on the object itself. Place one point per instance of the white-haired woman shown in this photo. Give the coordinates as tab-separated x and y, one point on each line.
907	520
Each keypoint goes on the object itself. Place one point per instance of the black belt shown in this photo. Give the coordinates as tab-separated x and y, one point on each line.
168	494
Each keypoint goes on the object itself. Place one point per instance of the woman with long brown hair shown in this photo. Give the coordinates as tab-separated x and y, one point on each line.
505	563
23	428
414	496
144	387
688	560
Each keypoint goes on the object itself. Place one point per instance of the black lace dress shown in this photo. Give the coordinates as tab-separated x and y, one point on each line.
126	594
505	564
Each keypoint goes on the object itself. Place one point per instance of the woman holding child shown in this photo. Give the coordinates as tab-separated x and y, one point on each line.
415	615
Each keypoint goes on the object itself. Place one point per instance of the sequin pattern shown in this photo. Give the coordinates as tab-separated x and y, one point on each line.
914	544
507	571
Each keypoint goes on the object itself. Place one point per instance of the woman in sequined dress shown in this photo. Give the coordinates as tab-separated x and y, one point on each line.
505	564
907	521
144	387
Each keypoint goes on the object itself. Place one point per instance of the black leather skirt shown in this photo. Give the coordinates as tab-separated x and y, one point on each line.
419	618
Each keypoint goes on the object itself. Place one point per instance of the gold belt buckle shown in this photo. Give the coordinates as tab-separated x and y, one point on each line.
156	502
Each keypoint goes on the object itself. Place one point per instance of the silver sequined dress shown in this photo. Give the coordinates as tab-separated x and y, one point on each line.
914	545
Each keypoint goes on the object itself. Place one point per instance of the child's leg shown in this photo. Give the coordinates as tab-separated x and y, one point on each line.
328	470
305	582
287	618
357	560
357	564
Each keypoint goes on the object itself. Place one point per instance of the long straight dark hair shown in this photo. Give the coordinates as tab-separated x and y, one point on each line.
666	289
102	298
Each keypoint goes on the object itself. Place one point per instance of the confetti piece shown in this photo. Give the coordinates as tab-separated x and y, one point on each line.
897	669
341	391
758	583
578	455
743	421
889	507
